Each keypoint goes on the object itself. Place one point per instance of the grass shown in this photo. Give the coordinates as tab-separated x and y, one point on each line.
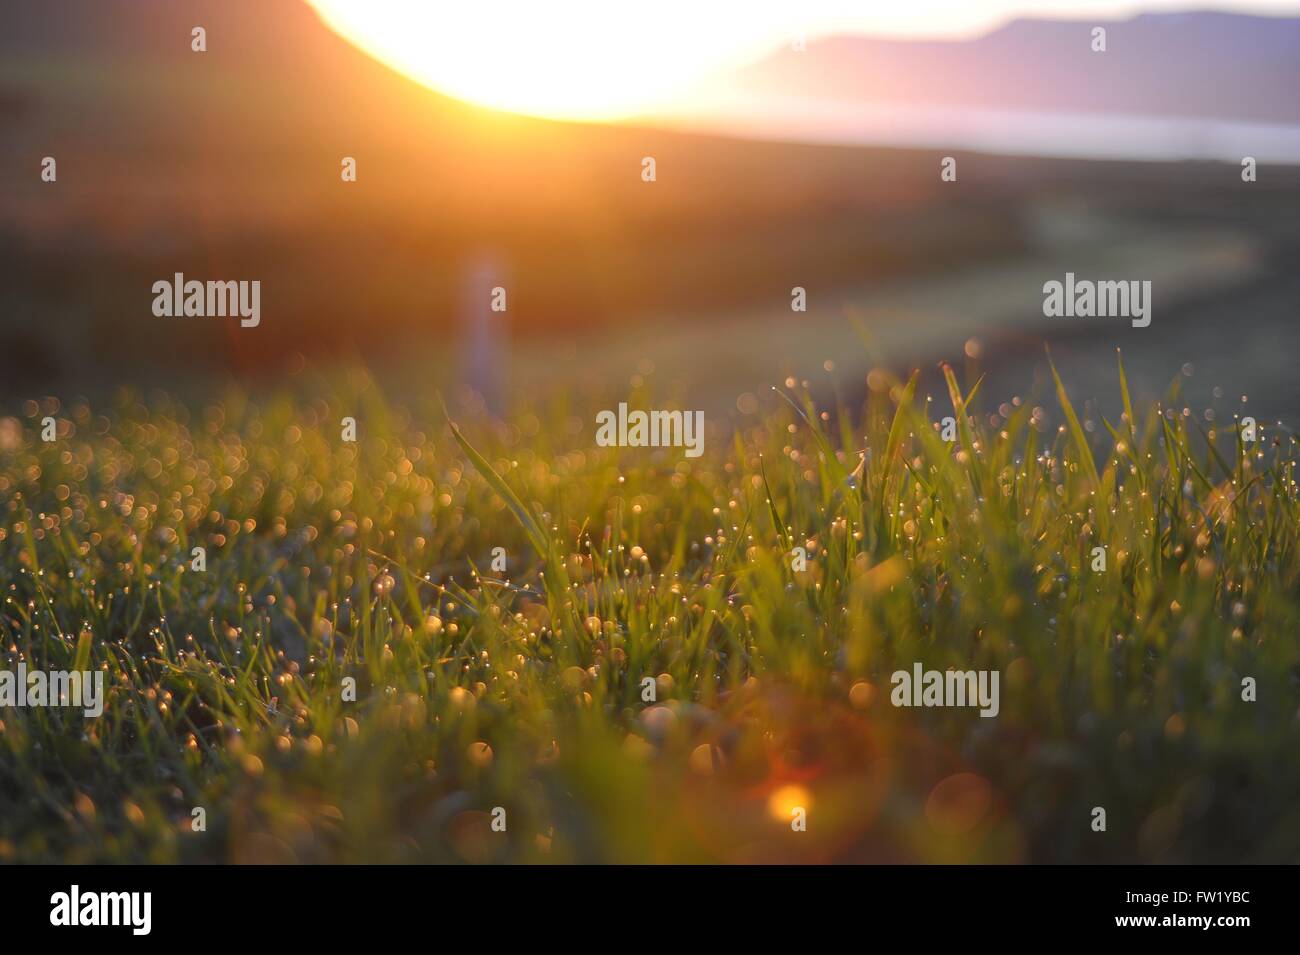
525	689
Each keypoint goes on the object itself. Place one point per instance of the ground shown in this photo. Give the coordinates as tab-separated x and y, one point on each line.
650	678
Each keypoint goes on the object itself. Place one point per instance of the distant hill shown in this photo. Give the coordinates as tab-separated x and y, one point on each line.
1202	65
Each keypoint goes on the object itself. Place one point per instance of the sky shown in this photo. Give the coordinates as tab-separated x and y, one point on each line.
607	59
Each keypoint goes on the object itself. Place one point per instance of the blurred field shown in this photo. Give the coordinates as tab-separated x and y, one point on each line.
226	165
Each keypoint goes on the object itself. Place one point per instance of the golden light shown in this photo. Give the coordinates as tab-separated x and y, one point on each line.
571	59
612	59
782	803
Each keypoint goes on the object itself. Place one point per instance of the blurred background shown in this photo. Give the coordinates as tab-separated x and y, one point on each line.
788	152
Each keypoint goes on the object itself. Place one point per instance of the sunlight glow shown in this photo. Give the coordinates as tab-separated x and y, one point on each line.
576	59
612	59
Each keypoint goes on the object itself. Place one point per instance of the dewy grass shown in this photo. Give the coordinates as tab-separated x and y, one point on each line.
651	677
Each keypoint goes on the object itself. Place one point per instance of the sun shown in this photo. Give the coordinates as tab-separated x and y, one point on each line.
569	59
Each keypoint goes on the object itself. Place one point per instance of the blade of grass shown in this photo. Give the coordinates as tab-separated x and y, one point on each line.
1081	445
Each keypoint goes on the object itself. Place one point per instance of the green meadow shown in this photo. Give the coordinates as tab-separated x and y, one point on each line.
344	673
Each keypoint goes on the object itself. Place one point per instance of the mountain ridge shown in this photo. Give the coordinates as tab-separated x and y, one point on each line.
1202	64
